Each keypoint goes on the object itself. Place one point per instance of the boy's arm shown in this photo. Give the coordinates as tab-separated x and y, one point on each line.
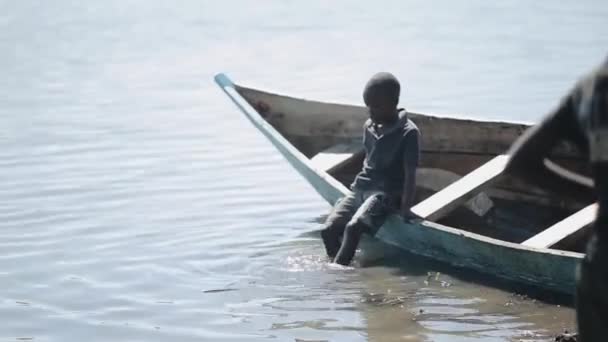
410	158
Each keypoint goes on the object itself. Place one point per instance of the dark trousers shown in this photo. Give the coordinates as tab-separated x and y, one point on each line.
361	212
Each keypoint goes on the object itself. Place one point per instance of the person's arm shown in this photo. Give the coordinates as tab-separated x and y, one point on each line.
410	159
528	154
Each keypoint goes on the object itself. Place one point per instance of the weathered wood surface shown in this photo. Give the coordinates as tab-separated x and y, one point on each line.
436	180
454	144
562	230
459	192
545	268
507	188
334	156
298	117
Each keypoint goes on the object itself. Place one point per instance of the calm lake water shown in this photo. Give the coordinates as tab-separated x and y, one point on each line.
137	204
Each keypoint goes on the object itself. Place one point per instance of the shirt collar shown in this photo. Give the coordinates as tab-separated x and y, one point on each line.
402	120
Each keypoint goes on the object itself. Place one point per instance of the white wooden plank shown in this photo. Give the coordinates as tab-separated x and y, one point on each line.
455	194
334	156
563	229
437	179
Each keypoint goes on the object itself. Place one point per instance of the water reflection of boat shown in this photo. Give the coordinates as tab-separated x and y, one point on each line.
474	217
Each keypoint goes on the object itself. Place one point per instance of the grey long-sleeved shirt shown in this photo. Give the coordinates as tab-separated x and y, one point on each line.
388	152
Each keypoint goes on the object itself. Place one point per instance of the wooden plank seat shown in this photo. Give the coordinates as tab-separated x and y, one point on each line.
565	229
461	191
335	156
437	179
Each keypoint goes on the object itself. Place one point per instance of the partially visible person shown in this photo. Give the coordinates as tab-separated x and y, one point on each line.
387	182
581	118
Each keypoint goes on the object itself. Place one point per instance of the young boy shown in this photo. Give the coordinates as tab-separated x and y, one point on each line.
388	178
581	118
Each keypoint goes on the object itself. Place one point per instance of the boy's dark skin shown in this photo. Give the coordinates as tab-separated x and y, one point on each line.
582	119
374	190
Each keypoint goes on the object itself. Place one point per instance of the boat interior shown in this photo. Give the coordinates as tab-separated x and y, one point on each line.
460	182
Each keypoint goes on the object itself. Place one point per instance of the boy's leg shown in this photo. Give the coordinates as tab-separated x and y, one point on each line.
367	219
336	222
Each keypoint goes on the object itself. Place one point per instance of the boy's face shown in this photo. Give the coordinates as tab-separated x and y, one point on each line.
382	109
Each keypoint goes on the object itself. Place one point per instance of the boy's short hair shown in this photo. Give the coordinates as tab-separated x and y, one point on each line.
382	83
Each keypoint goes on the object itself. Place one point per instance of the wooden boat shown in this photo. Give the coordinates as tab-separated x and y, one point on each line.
474	217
